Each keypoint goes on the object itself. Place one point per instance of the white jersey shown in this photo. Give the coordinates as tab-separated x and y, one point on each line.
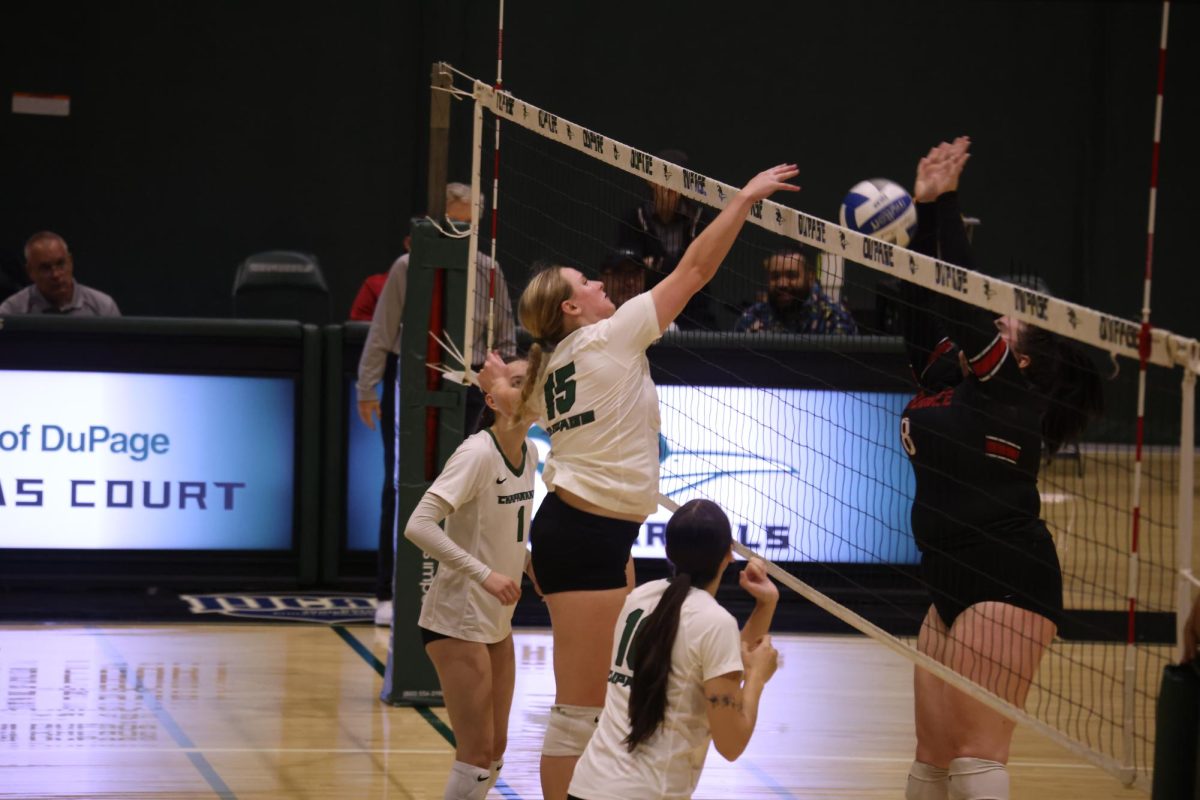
492	501
668	764
599	406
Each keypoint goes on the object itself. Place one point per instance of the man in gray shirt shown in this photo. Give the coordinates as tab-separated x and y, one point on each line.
54	291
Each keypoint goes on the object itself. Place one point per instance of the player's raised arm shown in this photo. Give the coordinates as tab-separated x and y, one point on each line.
702	258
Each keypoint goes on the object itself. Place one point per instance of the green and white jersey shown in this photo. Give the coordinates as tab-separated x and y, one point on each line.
493	503
666	766
599	406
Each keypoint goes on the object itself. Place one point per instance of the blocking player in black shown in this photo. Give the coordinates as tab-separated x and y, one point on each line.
997	397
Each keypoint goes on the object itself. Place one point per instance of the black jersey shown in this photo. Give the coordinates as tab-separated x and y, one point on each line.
975	440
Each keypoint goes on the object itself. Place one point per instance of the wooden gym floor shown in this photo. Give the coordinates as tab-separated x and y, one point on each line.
292	711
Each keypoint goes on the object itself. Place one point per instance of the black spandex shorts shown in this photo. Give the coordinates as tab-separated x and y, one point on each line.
1022	572
428	636
577	551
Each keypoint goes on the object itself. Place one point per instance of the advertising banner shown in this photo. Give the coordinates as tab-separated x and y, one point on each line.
116	461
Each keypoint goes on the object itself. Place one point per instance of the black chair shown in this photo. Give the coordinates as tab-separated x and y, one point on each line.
281	284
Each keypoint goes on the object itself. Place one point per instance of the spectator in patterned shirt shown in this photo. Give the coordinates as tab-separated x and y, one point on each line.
795	302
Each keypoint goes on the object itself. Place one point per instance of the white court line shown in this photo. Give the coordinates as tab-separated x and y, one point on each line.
760	758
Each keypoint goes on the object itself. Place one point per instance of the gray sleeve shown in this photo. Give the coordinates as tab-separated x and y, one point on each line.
108	307
423	531
504	337
505	334
10	306
383	337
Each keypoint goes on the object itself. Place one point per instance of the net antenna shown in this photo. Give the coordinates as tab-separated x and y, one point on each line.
554	167
1143	358
477	210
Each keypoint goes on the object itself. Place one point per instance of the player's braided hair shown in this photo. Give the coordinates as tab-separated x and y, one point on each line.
540	311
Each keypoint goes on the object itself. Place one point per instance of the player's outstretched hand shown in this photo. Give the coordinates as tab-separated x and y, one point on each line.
925	188
772	180
760	660
957	157
494	373
502	587
754	579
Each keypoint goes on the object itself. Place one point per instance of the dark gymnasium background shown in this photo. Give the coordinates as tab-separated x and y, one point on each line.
203	132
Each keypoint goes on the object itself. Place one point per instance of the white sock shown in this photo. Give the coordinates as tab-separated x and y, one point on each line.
978	779
495	768
927	782
467	782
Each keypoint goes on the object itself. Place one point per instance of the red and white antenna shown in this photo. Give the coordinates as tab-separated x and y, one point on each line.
495	183
1144	345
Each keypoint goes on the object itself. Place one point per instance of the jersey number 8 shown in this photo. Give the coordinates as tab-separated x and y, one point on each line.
906	439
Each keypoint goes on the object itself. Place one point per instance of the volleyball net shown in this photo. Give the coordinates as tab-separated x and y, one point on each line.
782	402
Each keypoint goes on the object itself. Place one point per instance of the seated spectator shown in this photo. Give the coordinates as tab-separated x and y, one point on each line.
658	231
623	275
55	291
795	302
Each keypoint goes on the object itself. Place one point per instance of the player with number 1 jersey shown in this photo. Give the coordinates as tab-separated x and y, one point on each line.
491	500
484	495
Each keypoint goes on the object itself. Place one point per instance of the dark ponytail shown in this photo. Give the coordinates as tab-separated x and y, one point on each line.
650	660
1063	372
698	538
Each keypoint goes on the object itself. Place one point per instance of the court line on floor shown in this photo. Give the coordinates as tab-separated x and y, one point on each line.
426	713
765	778
186	745
908	760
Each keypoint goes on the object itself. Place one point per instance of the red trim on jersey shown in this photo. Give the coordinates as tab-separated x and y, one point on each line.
988	362
1002	449
926	400
943	347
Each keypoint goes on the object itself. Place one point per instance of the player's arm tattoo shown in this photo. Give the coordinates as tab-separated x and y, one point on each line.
725	701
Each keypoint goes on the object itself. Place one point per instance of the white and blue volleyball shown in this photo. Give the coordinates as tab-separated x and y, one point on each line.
880	208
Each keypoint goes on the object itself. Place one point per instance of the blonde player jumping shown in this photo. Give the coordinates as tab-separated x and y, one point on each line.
589	386
484	494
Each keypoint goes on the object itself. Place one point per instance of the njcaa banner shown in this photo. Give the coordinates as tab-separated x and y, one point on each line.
132	461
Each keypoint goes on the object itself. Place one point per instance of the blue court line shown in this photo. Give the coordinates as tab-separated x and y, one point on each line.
170	725
426	714
766	779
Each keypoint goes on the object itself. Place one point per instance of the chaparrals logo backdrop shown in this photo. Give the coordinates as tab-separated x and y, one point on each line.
804	475
132	461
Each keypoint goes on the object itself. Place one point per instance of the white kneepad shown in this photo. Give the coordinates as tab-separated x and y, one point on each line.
978	779
570	729
926	782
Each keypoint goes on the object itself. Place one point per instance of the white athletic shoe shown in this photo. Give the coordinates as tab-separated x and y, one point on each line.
383	613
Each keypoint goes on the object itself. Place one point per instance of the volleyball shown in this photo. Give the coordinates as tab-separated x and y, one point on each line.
880	208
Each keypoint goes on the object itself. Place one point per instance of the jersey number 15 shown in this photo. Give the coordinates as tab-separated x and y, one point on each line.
560	390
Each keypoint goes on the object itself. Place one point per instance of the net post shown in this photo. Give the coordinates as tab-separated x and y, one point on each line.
441	81
473	243
1183	543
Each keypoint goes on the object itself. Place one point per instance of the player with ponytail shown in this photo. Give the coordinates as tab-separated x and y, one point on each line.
589	387
680	673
